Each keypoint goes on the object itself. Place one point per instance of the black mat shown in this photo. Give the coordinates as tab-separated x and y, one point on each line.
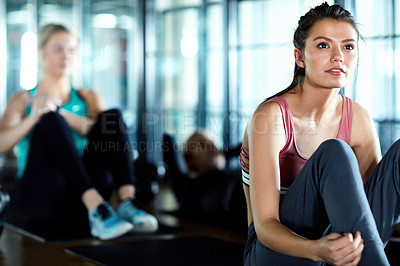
59	232
392	251
71	228
222	221
177	251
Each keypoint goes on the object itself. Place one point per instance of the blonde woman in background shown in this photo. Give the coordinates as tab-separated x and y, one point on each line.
68	145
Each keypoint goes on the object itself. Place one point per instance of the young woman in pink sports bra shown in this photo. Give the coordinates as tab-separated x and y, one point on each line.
314	189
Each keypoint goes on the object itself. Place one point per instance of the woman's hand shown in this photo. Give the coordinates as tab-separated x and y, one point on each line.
42	104
337	249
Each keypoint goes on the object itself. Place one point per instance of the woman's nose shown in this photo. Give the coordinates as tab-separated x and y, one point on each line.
337	55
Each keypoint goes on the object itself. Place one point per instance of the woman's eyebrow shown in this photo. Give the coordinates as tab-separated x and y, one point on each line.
329	39
323	38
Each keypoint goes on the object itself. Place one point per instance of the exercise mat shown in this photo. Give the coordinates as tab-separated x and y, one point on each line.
193	250
392	251
50	231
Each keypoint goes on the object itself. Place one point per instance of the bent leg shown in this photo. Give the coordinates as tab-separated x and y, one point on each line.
54	173
329	190
109	149
383	190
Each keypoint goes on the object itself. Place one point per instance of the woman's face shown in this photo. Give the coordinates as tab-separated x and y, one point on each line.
59	53
330	54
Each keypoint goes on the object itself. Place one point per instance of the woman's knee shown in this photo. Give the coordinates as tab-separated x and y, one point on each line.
110	115
50	121
109	121
337	157
336	148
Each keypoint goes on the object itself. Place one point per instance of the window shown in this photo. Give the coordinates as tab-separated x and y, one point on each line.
378	83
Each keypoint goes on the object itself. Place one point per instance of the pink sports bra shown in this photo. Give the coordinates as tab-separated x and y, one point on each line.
291	161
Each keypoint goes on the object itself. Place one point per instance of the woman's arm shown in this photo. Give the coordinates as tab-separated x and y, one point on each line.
14	125
266	137
364	141
83	124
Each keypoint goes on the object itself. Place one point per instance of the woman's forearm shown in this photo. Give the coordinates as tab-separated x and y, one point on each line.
278	237
78	123
10	136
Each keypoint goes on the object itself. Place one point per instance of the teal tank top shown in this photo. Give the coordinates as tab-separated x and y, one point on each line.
77	105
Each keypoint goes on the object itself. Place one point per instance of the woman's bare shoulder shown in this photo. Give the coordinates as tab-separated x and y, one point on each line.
15	109
267	112
93	99
268	108
18	100
266	120
360	114
363	128
86	93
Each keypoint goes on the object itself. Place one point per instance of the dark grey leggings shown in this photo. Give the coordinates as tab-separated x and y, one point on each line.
328	195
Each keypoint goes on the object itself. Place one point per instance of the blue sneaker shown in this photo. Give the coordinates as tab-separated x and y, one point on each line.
105	224
141	220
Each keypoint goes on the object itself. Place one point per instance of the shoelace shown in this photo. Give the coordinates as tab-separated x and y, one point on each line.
103	211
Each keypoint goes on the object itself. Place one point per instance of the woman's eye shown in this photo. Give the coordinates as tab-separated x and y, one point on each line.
349	47
58	50
322	45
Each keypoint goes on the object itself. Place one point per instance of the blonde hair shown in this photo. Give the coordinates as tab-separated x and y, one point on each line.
48	30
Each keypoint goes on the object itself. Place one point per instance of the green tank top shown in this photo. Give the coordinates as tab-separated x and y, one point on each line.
77	105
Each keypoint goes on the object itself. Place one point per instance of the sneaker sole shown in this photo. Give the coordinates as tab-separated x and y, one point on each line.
127	228
145	228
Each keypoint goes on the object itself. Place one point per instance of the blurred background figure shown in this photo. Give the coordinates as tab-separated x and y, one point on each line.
206	188
201	153
68	146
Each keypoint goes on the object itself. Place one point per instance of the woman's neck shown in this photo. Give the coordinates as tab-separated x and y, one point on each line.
313	103
56	86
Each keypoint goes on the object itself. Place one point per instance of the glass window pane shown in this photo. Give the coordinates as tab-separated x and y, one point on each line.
215	127
58	13
3	56
214	26
374	17
21	54
112	43
281	25
397	16
180	67
374	78
270	21
264	73
214	85
178	72
397	75
215	94
252	83
168	4
108	64
252	22
214	73
181	86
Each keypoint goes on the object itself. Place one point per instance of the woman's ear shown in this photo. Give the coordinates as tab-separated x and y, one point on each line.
298	56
